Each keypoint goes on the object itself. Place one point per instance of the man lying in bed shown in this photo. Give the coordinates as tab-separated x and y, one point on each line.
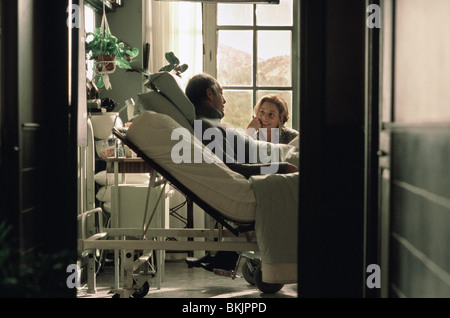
205	93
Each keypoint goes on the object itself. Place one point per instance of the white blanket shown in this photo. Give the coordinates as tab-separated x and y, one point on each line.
276	222
276	226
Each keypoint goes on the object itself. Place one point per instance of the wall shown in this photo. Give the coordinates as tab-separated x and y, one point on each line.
418	183
126	24
420	213
422	64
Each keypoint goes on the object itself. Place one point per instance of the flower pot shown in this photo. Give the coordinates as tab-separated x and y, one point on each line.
105	64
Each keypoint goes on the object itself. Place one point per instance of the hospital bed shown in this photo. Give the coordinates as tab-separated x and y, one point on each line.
261	211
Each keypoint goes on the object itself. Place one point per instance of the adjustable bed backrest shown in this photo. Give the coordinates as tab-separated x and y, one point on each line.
167	97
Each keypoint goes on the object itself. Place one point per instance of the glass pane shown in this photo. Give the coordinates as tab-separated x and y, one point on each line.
89	25
238	108
286	95
234	14
275	14
234	58
274	58
89	19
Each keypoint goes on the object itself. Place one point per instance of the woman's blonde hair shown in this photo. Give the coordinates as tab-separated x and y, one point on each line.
279	102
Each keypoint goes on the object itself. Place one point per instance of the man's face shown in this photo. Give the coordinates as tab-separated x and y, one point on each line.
217	101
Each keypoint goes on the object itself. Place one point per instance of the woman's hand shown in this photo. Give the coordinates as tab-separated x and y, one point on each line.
255	123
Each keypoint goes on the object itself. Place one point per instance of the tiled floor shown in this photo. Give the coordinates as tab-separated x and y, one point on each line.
180	281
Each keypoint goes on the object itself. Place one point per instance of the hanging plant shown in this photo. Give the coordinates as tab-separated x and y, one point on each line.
107	52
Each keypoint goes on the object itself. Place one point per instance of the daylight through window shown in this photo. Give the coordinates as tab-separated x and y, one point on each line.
254	56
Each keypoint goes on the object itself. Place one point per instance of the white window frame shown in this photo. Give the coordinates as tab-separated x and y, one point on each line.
210	40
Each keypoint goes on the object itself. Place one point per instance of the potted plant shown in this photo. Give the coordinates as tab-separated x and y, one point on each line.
107	52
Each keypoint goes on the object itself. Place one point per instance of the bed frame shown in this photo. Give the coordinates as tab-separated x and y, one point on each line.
130	242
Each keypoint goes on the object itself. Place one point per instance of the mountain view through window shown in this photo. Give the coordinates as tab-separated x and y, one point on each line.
254	57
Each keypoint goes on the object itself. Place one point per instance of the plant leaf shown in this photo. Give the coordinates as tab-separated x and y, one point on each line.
122	63
182	68
132	53
171	58
166	68
100	83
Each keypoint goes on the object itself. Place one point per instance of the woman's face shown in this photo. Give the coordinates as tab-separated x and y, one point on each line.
269	116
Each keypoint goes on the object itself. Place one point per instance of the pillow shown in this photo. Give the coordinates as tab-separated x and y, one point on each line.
156	102
168	84
103	178
107	206
104	194
137	178
225	190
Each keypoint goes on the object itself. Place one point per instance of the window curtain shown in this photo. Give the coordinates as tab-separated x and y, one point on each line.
174	27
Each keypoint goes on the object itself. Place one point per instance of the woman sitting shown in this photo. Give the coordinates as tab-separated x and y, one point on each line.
271	113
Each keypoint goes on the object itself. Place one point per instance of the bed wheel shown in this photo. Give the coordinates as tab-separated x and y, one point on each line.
248	270
139	293
265	287
143	291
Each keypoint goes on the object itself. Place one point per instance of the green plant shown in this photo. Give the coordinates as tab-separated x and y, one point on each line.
100	44
174	64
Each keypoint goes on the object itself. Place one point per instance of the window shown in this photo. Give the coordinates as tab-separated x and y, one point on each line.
250	51
175	27
89	26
